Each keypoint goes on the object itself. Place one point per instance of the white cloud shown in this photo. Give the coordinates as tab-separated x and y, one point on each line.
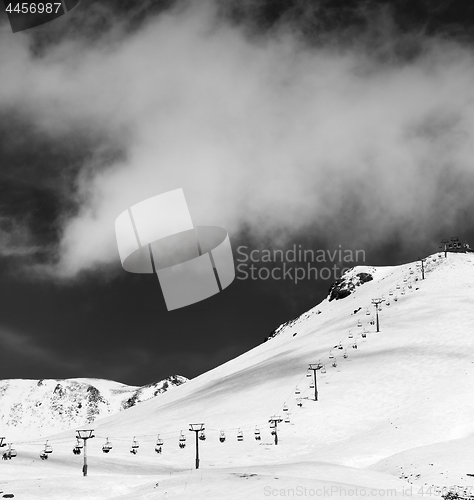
261	132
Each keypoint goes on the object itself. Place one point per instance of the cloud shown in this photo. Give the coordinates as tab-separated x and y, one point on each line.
15	240
264	133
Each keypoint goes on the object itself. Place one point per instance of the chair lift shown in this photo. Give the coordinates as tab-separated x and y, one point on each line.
43	455
308	374
387	302
323	369
202	436
79	445
331	355
107	446
222	437
398	286
334	363
11	452
354	345
345	355
182	440
340	346
159	444
287	418
367	312
364	335
299	403
48	448
372	321
403	291
390	292
240	435
350	334
257	434
135	446
311	386
297	391
395	298
359	322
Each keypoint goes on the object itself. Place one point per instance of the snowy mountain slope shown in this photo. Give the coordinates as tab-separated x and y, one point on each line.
423	337
35	407
403	389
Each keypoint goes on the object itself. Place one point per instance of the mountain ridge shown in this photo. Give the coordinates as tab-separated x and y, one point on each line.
37	407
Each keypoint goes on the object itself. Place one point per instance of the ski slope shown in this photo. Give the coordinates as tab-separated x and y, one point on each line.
395	414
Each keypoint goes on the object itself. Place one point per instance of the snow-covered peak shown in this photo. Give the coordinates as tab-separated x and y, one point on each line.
38	407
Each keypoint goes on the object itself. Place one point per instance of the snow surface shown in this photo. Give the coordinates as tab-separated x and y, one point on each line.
396	414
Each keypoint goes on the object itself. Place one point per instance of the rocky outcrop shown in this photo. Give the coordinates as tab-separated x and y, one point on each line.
345	285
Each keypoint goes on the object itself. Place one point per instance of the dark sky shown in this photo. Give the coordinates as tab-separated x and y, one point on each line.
329	123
